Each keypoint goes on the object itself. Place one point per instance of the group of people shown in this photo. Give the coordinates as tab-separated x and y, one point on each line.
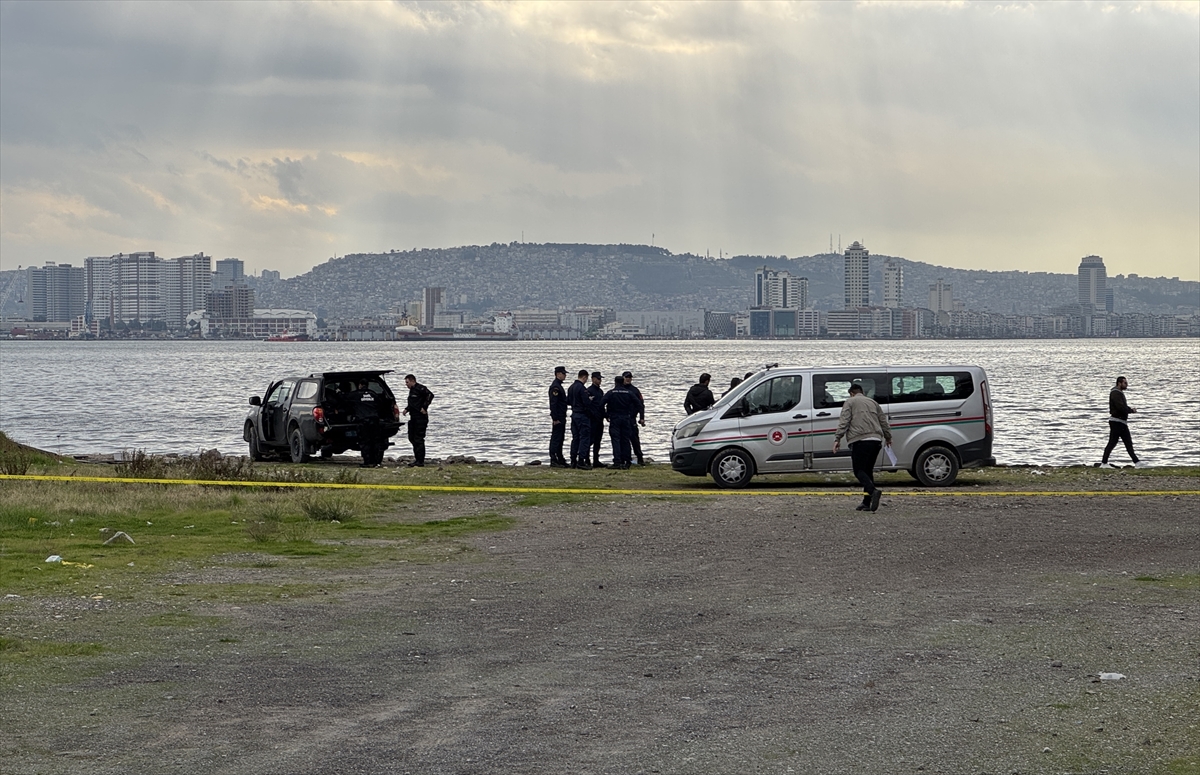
622	406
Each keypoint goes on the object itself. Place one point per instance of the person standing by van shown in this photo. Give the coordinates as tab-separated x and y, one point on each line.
1118	421
558	418
417	411
865	427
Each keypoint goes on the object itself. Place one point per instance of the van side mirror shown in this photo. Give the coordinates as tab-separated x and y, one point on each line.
255	401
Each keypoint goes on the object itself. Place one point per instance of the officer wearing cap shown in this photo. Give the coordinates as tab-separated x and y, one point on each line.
635	439
597	408
558	418
620	407
581	421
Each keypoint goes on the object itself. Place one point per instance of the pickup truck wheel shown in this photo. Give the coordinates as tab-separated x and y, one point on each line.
936	467
732	469
256	452
297	447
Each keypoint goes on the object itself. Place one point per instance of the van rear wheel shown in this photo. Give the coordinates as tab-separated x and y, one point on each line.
732	469
936	467
297	447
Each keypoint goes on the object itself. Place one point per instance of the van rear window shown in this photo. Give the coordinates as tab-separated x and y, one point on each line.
930	386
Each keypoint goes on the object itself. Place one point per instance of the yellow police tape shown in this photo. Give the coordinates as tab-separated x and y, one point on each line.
587	490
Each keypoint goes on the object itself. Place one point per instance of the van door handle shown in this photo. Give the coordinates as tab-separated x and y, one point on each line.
822	414
799	416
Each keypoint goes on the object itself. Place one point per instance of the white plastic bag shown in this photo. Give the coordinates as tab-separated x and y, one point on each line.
891	456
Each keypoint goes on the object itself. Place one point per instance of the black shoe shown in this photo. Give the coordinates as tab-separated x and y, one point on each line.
863	507
875	496
598	464
584	466
641	462
417	464
556	464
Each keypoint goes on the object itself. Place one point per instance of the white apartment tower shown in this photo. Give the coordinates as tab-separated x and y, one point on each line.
858	276
136	283
893	284
1093	281
778	289
941	296
186	282
55	292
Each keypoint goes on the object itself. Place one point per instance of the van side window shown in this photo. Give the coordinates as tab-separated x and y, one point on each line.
279	396
307	390
775	395
831	390
931	386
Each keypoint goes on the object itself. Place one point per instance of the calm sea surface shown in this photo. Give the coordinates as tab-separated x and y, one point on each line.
1050	396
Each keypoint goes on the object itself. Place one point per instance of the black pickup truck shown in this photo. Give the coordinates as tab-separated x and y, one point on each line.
300	416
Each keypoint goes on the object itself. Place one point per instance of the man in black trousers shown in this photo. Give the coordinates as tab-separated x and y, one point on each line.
417	411
635	438
1118	422
558	418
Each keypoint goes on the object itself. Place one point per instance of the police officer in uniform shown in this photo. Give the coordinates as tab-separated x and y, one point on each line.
419	399
365	406
635	437
581	421
620	407
597	408
558	418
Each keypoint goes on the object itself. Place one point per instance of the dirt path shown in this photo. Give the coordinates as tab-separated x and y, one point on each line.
640	635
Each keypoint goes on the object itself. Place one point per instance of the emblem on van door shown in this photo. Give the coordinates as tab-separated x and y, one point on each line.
777	436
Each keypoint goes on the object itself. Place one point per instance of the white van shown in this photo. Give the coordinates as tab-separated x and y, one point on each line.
783	420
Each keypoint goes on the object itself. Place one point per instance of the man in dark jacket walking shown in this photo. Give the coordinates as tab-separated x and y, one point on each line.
417	411
1118	422
699	397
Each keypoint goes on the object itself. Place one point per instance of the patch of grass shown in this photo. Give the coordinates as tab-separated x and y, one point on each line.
328	508
19	648
1174	581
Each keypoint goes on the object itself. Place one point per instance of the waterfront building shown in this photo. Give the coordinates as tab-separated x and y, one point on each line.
136	287
228	272
664	323
431	304
941	296
98	287
1093	283
893	284
55	292
259	324
234	301
858	276
778	288
186	283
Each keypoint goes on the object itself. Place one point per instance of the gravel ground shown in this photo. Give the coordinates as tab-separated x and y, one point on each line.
687	635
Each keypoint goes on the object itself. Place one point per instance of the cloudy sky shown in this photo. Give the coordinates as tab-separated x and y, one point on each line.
989	135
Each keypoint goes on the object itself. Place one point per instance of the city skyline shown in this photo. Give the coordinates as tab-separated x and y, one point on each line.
1006	136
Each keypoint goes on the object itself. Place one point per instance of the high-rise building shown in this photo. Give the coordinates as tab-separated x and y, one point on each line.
186	282
777	288
431	304
136	283
1093	282
893	284
941	296
228	272
98	283
858	276
233	301
55	292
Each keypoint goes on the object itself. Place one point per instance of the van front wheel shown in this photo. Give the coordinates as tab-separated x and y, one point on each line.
936	467
732	469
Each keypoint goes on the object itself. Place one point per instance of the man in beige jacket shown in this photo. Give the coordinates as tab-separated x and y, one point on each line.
865	427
